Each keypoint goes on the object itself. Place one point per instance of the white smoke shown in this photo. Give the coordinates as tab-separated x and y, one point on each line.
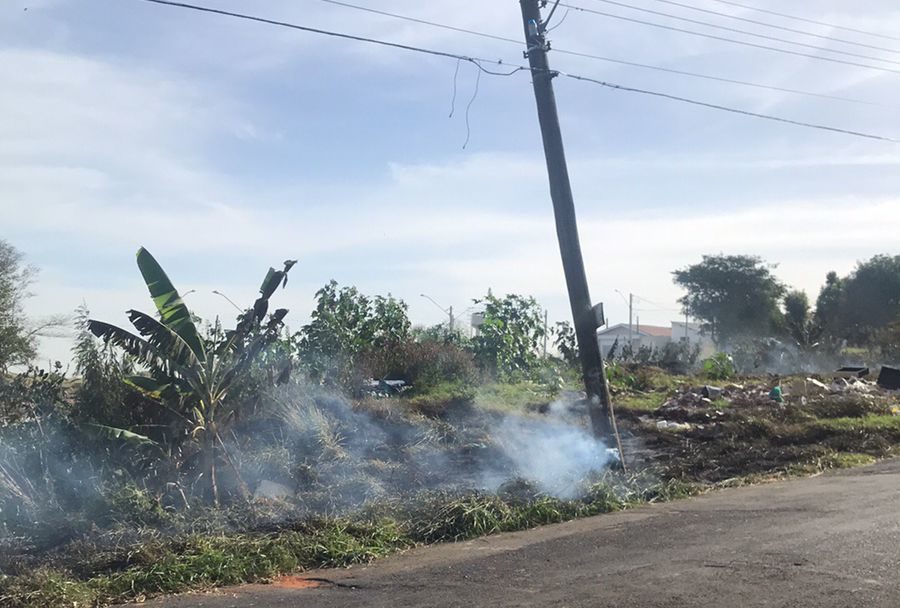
551	452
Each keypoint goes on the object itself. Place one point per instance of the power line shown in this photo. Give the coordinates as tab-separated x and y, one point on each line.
803	19
635	64
723	79
479	61
739	31
778	27
422	21
714	106
732	40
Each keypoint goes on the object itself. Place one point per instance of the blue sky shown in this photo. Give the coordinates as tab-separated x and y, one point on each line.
226	146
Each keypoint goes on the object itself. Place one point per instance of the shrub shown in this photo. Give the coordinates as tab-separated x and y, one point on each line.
719	367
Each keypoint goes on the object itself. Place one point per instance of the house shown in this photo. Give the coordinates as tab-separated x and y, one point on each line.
653	336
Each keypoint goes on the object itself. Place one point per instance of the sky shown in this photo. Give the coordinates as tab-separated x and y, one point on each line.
226	147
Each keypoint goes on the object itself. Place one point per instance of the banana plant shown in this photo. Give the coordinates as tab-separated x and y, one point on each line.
189	375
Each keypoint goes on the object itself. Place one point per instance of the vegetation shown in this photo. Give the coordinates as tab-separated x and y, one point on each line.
185	455
16	341
732	295
506	346
188	375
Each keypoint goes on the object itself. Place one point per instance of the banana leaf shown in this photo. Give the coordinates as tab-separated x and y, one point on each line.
114	434
173	312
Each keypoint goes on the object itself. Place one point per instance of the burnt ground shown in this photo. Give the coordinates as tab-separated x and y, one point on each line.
827	542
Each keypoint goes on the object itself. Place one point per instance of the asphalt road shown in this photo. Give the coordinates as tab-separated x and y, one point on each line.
823	542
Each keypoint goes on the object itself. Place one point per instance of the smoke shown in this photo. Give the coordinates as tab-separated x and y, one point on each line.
553	454
355	455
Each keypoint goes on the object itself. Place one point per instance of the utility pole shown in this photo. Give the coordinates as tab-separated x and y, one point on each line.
630	317
566	225
546	332
450	312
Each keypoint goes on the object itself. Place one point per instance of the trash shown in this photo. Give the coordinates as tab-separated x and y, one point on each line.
665	425
711	392
776	395
851	372
889	378
807	388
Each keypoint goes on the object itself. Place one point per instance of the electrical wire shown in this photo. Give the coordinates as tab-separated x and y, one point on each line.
733	40
723	79
805	20
738	31
635	64
715	106
778	27
478	63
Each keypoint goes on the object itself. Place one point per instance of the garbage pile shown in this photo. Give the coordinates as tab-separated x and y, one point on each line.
693	407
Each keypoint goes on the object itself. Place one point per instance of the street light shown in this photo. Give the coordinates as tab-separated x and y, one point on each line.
630	303
447	312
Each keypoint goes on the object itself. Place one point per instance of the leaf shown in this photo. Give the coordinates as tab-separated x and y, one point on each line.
144	351
115	434
172	310
149	386
137	347
163	338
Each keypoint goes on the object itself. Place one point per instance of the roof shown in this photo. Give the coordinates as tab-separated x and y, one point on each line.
655	330
642	330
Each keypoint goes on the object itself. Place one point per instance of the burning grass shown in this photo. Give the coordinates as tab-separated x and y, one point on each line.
106	570
378	476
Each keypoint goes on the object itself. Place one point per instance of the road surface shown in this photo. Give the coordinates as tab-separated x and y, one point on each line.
823	542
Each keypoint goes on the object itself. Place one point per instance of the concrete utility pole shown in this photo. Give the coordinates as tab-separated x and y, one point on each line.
630	317
566	225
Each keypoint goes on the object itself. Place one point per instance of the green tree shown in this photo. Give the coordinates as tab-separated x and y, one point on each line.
17	341
732	295
190	376
565	342
829	305
799	320
871	297
508	340
345	326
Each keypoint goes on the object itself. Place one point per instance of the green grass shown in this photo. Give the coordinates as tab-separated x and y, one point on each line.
517	397
884	423
200	561
640	402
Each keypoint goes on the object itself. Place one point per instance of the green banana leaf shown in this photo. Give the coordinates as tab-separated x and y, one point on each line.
164	338
144	351
173	312
151	388
114	434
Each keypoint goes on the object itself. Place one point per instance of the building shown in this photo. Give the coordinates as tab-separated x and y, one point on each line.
653	336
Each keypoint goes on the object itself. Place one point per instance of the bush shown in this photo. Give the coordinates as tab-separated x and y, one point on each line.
425	365
719	367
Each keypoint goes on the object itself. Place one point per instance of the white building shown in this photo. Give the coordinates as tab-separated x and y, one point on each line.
653	336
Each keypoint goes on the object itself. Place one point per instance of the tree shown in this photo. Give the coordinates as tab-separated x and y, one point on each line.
732	295
508	340
871	297
191	376
345	326
17	342
565	342
829	305
798	319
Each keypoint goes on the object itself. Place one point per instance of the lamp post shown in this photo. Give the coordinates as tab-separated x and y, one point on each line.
448	312
630	302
